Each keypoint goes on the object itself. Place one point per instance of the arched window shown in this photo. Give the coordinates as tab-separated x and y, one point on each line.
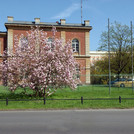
75	45
50	42
77	71
0	47
23	43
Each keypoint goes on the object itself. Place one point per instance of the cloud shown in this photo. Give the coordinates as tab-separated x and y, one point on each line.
67	13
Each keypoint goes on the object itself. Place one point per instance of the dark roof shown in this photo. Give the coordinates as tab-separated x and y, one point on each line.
45	24
3	33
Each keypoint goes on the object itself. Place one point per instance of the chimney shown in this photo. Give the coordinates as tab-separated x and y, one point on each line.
86	22
10	18
37	20
62	21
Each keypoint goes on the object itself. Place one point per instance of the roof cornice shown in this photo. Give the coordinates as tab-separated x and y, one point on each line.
3	33
82	56
47	25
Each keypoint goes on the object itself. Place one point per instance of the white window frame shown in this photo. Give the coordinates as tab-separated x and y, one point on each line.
75	45
50	42
22	38
0	47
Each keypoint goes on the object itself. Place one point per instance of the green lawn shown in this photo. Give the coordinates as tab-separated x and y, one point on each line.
87	92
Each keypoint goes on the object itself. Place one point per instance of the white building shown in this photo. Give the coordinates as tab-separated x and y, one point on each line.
96	55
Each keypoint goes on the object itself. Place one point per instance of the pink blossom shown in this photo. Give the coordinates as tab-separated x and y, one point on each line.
33	65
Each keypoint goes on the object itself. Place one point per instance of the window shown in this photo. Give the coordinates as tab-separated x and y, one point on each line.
78	71
50	42
0	47
23	43
75	45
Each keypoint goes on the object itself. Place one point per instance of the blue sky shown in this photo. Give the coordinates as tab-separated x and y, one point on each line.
97	11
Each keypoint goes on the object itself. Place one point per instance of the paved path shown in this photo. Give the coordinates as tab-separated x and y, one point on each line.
67	122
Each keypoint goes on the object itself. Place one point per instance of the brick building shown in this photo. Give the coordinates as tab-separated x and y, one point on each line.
78	33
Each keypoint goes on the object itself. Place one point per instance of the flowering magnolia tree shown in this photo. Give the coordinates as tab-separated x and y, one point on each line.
38	64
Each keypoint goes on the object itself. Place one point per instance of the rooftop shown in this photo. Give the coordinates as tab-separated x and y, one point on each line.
36	21
3	33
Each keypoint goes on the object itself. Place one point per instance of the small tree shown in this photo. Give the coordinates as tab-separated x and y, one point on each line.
40	65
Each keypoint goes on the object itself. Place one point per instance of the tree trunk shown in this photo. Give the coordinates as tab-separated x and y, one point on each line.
36	89
44	92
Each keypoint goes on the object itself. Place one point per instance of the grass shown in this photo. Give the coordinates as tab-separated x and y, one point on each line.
88	92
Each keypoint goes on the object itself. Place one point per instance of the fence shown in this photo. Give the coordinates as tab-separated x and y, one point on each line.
81	99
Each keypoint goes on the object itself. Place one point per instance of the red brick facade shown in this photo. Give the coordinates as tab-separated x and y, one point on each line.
65	31
3	43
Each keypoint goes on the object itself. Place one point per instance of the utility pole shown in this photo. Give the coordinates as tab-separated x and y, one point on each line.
109	59
132	52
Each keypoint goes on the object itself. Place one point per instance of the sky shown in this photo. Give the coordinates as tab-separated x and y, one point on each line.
97	11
